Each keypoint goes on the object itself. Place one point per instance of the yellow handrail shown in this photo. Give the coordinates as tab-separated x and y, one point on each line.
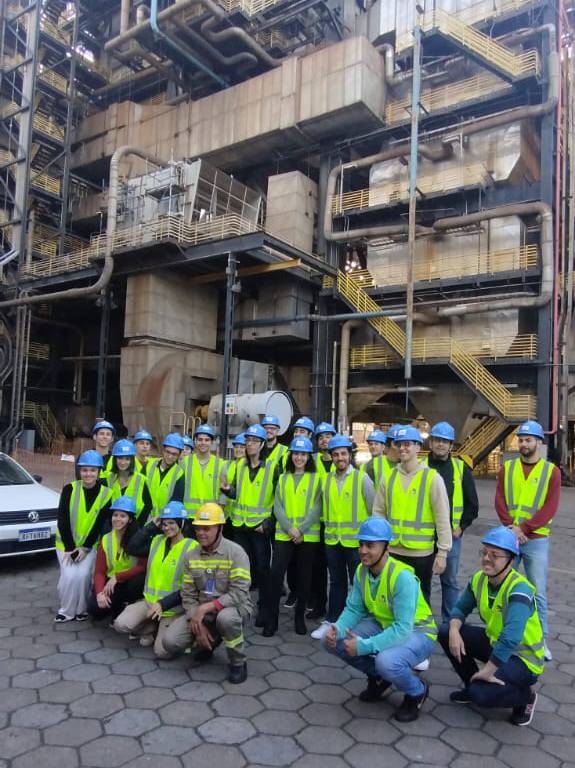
483	436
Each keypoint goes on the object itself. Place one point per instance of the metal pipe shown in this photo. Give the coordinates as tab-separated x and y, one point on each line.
8	257
226	34
346	328
108	268
271	321
392	78
333	380
226	61
124	16
135	31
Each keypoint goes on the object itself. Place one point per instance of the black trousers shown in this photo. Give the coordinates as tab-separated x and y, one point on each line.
423	567
342	564
287	554
258	548
318	595
125	593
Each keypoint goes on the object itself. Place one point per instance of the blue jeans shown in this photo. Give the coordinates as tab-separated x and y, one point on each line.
535	557
393	664
342	564
449	588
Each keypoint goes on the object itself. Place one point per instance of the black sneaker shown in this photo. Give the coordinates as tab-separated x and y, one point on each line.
238	674
270	629
290	600
314	614
299	625
460	697
376	688
82	617
60	618
524	715
410	706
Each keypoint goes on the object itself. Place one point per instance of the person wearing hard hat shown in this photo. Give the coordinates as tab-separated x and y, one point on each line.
163	542
463	503
125	480
215	594
414	501
378	464
103	434
297	509
511	643
229	470
386	627
323	434
273	450
348	496
252	493
303	427
143	442
188	447
527	499
202	471
83	510
118	577
166	478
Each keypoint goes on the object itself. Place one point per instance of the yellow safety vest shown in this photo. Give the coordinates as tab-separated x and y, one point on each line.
254	500
382	467
525	496
493	613
278	455
320	467
409	512
147	468
381	606
161	490
117	560
134	489
81	518
457	499
202	482
297	502
107	469
230	468
343	511
164	574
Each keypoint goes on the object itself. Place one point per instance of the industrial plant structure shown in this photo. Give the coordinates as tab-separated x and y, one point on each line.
367	205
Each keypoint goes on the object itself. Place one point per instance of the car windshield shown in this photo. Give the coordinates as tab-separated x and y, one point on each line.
12	474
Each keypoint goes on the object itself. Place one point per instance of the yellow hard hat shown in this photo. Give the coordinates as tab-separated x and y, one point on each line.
210	513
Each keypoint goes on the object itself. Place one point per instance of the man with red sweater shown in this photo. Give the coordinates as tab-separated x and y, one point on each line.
526	500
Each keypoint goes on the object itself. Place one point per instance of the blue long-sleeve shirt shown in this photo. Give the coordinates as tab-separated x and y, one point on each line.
405	595
520	607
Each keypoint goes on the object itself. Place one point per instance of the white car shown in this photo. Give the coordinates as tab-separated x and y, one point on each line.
28	511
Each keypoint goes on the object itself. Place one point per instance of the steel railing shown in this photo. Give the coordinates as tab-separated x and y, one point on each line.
485	435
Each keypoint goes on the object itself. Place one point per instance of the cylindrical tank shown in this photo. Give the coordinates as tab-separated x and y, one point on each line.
244	410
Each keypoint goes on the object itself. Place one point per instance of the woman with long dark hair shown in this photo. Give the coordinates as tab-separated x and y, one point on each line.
125	480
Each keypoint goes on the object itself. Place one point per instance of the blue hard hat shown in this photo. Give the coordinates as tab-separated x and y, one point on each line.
91	459
339	441
187	440
375	529
392	431
174	440
377	436
142	434
124	448
206	429
443	430
256	430
103	425
304	422
270	421
124	504
532	429
408	433
301	445
323	427
503	538
174	510
239	439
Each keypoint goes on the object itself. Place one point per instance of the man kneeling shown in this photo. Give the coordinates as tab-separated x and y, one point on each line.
215	592
386	627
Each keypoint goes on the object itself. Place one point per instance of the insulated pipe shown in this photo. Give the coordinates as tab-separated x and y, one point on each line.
230	32
8	257
102	282
226	61
124	16
391	77
132	33
346	328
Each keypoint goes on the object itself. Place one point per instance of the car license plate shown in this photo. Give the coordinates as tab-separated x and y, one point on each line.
33	534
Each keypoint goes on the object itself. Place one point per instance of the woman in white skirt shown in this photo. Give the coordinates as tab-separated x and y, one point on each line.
84	509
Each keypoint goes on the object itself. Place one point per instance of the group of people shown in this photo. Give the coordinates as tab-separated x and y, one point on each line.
169	549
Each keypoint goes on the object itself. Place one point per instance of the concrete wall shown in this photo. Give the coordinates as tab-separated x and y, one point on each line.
292	209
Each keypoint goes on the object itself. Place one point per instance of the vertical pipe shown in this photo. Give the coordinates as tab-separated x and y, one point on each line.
231	273
69	124
342	412
124	16
101	384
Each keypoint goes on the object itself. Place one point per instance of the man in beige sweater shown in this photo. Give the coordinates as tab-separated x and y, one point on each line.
414	501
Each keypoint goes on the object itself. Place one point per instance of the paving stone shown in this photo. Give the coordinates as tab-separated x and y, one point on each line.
64	692
169	740
226	730
271	750
133	666
262	652
106	655
79	646
132	722
562	747
278	723
32	651
153	761
294	681
562	694
237	706
197	691
12	667
330	675
320	761
370	732
469	740
457	716
97	705
186	713
109	751
505	733
35	680
39	715
363	755
425	725
470	761
86	672
19	697
325	714
526	757
253	686
14	741
552	724
324	659
166	678
149	698
73	732
324	740
215	755
260	669
327	694
284	699
371	711
48	757
59	661
116	684
423	749
293	663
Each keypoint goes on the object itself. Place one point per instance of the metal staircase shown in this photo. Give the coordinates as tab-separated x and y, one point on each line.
45	422
512	408
484	438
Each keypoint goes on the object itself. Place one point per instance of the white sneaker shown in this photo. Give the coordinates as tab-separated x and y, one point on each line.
547	655
321	631
423	666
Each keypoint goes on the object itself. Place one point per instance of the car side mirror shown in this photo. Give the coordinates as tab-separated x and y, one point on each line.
37	478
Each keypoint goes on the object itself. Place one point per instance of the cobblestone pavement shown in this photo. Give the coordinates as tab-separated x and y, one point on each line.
79	695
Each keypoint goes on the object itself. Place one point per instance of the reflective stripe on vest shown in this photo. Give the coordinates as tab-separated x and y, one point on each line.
117	560
320	466
253	506
525	496
202	482
409	512
381	607
134	489
82	519
278	455
162	490
345	510
164	574
457	499
531	648
229	468
298	502
382	467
